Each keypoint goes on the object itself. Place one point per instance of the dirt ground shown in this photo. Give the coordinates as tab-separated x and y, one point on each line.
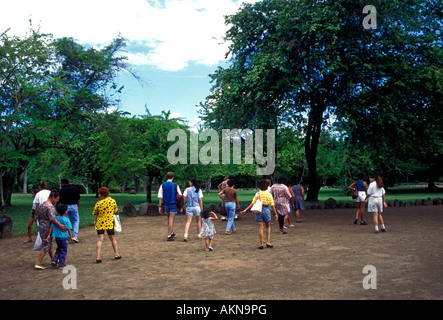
320	259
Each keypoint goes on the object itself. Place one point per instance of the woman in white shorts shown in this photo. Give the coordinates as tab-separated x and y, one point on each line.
376	195
194	205
361	186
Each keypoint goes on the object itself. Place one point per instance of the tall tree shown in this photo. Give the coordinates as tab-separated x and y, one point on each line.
303	61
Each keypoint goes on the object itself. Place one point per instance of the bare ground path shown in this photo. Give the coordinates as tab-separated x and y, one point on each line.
322	258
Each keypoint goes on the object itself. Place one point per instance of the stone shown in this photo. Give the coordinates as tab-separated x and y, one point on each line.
129	210
396	203
437	201
143	209
5	226
418	202
427	202
350	204
330	203
321	205
132	191
341	205
153	210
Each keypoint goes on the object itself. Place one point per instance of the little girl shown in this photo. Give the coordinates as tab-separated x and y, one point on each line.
208	228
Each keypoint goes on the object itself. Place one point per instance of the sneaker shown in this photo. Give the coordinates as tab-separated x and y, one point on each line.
207	249
364	223
383	230
75	239
199	236
355	221
54	264
210	249
185	239
224	218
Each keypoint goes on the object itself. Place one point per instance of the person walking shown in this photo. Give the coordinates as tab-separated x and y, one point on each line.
361	187
104	211
194	206
222	185
70	196
299	200
208	228
282	198
61	238
167	197
32	217
41	196
45	215
376	194
288	183
263	217
230	202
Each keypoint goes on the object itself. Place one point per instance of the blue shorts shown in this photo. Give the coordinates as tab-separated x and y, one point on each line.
193	211
264	215
171	208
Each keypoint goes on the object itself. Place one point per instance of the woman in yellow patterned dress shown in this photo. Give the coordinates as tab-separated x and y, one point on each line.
104	211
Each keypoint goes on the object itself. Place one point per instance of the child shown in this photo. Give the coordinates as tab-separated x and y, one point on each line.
208	228
61	238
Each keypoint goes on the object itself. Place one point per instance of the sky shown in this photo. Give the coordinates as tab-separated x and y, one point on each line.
173	45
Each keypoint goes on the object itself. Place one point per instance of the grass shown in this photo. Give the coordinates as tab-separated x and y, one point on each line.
21	208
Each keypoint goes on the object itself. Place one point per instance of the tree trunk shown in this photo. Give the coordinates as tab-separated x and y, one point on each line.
149	189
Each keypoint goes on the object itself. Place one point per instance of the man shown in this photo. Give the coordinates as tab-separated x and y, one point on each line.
167	197
70	196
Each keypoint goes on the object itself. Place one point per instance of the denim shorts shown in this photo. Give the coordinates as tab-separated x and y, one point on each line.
171	208
193	211
264	215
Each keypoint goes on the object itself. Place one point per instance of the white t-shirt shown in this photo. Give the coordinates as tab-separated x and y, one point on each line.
41	197
375	191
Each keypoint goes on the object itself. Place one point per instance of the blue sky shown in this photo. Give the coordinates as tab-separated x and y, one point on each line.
172	44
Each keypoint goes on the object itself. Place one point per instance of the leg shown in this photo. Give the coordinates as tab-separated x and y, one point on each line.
99	245
260	232
63	251
40	258
281	219
198	220
30	223
114	245
171	217
230	210
362	211
187	225
207	243
268	233
75	221
297	215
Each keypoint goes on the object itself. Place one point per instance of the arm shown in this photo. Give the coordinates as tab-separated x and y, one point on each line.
352	186
70	234
201	203
303	194
160	200
220	195
58	224
214	215
275	213
247	208
49	234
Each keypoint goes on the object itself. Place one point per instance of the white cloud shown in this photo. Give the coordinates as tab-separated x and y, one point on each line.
166	34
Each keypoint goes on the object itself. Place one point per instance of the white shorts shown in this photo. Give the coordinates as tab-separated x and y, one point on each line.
375	204
361	196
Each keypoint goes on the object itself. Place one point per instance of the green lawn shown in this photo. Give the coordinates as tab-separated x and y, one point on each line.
22	203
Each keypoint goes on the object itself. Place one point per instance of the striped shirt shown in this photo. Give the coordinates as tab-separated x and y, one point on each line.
266	198
281	196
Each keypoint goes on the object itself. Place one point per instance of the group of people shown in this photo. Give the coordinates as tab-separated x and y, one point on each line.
279	199
375	192
56	213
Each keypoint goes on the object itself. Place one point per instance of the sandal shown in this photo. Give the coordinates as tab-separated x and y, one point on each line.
98	260
268	245
117	257
260	247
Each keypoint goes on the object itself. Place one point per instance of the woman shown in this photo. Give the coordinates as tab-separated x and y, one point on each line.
376	195
45	215
291	204
282	199
32	217
104	211
362	187
298	200
194	206
263	217
230	200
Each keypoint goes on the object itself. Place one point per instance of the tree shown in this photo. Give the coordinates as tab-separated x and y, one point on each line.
304	62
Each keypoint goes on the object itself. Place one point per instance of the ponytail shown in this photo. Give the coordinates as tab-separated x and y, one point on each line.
195	184
380	183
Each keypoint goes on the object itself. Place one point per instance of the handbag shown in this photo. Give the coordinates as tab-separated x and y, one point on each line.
117	223
355	193
179	200
257	207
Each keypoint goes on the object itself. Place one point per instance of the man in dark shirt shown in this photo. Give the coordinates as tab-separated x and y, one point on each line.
70	196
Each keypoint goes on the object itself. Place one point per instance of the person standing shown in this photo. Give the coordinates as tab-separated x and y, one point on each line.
298	200
104	211
361	187
263	217
208	228
40	197
194	206
70	196
376	194
222	187
230	202
167	197
282	198
45	215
